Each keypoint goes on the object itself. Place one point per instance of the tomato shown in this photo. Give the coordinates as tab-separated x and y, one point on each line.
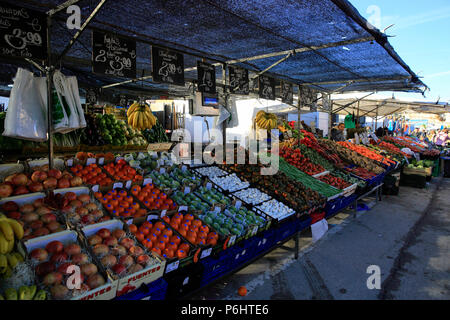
182	231
169	253
175	239
133	228
149	244
181	254
153	237
184	246
204	228
157	250
164	237
191	239
161	245
140	236
211	241
135	205
166	219
168	232
163	196
172	246
197	223
156	231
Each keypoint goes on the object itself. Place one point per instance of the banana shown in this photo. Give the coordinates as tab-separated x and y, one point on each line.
147	120
16	227
8	273
6	229
12	260
132	108
134	118
18	256
3	263
3	244
10	245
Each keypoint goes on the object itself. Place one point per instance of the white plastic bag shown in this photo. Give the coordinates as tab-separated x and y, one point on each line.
26	116
66	98
73	87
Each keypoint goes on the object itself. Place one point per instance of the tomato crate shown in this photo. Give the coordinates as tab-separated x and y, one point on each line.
214	267
152	291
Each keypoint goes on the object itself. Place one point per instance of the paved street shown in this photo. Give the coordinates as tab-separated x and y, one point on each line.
407	236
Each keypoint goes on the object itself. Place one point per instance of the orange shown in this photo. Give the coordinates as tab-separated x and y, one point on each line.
191	239
184	246
196	223
148	244
159	224
153	237
166	219
242	291
172	246
183	232
157	250
161	245
164	238
175	239
191	234
133	228
211	241
169	253
145	230
148	224
140	236
174	225
181	254
168	232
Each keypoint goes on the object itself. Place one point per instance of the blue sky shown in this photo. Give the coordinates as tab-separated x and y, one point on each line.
422	38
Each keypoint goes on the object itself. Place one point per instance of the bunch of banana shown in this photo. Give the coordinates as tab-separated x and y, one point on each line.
266	120
24	293
8	229
8	262
140	116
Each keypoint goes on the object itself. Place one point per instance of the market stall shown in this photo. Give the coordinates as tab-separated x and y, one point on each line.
96	185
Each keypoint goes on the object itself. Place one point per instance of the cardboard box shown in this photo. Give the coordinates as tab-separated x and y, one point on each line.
105	292
130	282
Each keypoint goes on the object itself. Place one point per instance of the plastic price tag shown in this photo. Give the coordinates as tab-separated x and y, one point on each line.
173	266
129	221
209	185
206	253
95	188
183	168
163	213
151	217
101	161
186	281
90	161
128	184
183	208
255	230
187	190
217	209
70	162
147	181
238	204
118	185
162	170
231	241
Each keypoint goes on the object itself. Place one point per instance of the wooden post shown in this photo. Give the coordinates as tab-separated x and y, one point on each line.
49	75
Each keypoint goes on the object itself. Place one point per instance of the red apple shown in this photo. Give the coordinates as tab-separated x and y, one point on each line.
10	206
119	233
85	198
91	207
45	268
10	178
95	281
48	217
136	251
88	269
143	259
5	190
53	226
127	243
63	183
118	250
80	258
110	241
70	196
104	233
87	219
39	254
55	173
54	247
76	181
126	260
109	260
135	268
100	249
43	210
38	176
20	179
76	203
59	257
21	190
82	211
67	209
94	239
50	183
41	232
26	208
59	291
37	224
72	249
63	268
38	203
36	187
14	215
119	269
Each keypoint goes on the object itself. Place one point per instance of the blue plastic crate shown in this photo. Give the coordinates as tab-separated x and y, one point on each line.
304	222
214	267
286	230
343	203
243	252
152	291
264	241
333	206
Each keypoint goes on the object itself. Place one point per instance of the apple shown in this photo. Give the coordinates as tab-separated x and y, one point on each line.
82	211
118	250
63	183
126	260
80	258
91	207
5	190
105	218
37	224
50	183
72	249
52	278
54	246
59	291
21	190
55	173
48	217
110	241
41	232
135	268
14	215
36	187
94	239
63	268
143	259
59	257
66	175
38	176
27	208
127	243
100	249
38	203
104	233
136	251
87	219
53	226
67	209
88	269
10	178
84	198
20	179
39	254
119	233
109	260
70	196
97	214
43	210
119	269
76	203
76	181
10	206
44	268
95	280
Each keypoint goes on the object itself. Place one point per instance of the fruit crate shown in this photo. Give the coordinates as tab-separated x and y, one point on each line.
215	267
153	269
286	230
160	212
152	291
317	216
265	241
183	281
243	252
198	170
36	229
107	291
304	222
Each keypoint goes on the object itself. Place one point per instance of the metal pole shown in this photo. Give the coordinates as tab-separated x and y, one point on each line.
224	124
330	118
357	114
49	73
299	104
376	120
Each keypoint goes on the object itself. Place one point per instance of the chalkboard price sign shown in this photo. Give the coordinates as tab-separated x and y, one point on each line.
113	55
238	79
23	32
206	75
91	96
266	87
287	92
167	66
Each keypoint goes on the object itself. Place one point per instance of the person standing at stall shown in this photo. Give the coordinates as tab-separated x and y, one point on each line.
443	138
337	133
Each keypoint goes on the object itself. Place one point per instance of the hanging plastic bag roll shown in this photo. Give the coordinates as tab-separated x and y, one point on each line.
73	86
67	102
26	116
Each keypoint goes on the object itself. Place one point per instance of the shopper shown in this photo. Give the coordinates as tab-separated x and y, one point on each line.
337	133
431	136
442	138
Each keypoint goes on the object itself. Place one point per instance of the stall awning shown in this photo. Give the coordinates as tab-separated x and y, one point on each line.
329	43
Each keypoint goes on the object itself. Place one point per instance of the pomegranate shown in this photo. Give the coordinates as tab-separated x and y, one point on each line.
50	183
5	190
38	176
63	183
55	173
20	179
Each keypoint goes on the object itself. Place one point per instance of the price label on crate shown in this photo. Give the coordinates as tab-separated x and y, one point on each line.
231	241
90	161
147	181
129	221
183	168
172	266
209	185
186	281
206	253
101	161
187	190
152	217
128	184
95	188
183	208
217	209
70	162
162	170
163	213
118	185
255	230
238	204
